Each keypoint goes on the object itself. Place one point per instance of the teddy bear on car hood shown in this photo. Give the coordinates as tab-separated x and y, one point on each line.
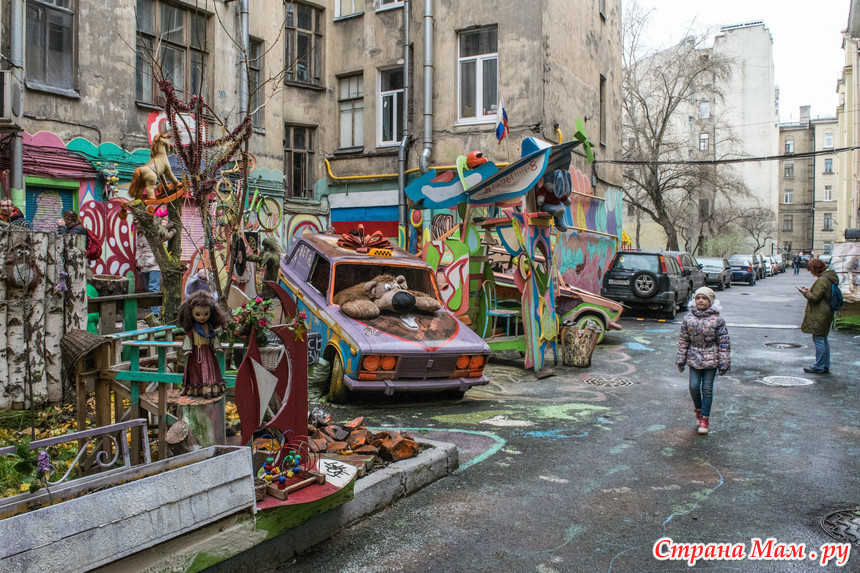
383	293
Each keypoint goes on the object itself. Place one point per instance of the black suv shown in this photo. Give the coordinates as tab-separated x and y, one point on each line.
648	280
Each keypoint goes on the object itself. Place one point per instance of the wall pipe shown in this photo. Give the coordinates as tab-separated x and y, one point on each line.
16	147
424	161
244	88
405	138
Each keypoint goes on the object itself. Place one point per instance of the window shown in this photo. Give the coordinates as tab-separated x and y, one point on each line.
303	41
690	123
50	50
828	221
788	222
390	106
180	37
390	4
602	109
256	89
828	140
351	102
828	165
298	160
348	7
828	248
478	75
788	196
704	110
789	146
828	192
703	141
789	170
320	275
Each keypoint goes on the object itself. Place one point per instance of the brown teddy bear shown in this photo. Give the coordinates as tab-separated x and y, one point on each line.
385	292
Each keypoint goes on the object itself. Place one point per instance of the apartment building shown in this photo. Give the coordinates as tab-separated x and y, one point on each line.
826	230
848	125
335	86
796	184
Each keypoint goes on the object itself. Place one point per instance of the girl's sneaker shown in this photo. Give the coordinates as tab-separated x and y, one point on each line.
698	414
703	425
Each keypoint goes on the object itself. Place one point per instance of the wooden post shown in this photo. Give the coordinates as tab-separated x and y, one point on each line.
129	314
206	421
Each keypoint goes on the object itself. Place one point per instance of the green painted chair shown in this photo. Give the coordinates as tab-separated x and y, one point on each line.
92	317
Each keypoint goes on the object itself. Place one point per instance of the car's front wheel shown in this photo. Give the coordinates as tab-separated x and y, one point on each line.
338	392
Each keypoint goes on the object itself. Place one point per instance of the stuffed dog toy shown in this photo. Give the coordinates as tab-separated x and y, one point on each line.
383	293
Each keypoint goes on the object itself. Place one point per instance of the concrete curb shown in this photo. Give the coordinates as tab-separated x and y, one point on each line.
372	493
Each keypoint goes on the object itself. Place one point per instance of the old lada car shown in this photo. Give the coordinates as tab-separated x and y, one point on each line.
393	352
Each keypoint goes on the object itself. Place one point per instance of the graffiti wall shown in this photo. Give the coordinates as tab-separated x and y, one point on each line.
585	251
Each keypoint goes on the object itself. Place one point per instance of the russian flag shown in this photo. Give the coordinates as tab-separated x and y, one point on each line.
501	121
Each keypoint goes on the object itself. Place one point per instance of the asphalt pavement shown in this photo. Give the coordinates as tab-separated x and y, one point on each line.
586	470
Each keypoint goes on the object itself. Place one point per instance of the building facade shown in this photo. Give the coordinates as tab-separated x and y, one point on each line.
826	221
796	185
334	87
848	125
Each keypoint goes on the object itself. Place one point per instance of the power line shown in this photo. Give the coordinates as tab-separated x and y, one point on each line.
802	155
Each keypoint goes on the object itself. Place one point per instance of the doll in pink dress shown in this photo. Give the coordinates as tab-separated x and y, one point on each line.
202	319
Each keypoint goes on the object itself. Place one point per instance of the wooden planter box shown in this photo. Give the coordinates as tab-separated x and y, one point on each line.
108	517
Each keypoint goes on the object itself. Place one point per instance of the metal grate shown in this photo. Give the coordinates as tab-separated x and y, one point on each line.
785	381
609	381
843	525
434	367
784	345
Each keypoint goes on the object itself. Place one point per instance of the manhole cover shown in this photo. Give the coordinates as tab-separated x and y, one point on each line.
843	525
784	345
609	381
785	381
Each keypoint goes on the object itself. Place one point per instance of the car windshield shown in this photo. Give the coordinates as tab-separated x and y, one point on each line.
637	262
347	274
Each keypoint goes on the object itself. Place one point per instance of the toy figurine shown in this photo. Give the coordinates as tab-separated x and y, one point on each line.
553	195
201	319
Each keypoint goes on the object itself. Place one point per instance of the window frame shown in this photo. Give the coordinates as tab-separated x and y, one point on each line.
789	146
827	222
828	193
389	5
788	171
788	223
704	138
704	109
290	151
788	197
292	35
828	165
353	100
339	12
827	136
478	59
67	67
397	114
161	40
256	90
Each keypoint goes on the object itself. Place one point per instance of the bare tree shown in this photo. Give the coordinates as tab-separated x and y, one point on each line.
661	91
760	224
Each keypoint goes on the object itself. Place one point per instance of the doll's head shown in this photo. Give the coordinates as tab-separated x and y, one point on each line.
200	308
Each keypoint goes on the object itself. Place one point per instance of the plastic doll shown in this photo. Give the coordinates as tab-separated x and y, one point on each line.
201	319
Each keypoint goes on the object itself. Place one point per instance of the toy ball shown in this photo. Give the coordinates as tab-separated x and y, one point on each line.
161	211
474	159
282	479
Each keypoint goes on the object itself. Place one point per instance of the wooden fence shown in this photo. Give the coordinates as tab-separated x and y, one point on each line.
38	305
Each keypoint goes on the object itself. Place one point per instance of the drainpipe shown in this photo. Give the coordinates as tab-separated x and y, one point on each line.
405	138
16	148
424	161
246	46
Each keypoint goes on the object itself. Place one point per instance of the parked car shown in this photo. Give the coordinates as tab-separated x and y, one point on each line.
781	262
394	352
718	272
826	259
649	280
804	260
769	270
690	268
743	269
762	266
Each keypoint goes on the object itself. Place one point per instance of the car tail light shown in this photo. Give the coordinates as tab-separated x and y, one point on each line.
749	269
663	268
370	363
462	363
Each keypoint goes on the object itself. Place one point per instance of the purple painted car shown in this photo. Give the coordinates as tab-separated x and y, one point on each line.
392	352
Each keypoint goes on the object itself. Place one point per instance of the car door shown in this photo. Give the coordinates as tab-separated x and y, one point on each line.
677	281
696	273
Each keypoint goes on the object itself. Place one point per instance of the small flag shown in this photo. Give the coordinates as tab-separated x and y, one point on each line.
501	121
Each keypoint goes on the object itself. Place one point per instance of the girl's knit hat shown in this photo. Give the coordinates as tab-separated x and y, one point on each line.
705	291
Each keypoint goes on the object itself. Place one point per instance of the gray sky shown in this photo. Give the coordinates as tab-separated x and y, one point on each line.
807	41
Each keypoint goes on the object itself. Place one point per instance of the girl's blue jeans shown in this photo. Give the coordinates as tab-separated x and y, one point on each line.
702	389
